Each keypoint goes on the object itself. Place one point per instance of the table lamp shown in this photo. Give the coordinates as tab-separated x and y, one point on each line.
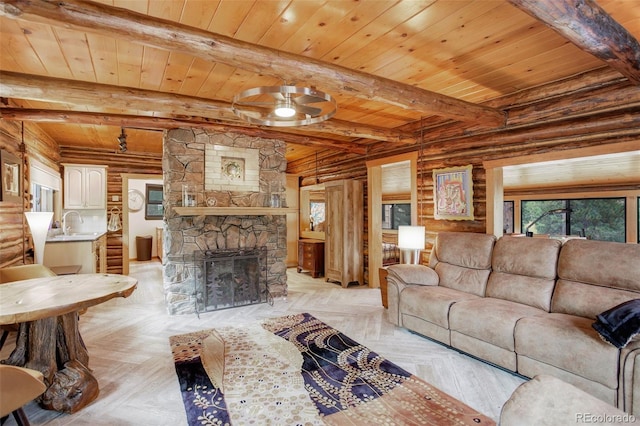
39	224
410	243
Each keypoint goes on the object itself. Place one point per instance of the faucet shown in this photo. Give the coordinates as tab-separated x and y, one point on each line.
66	229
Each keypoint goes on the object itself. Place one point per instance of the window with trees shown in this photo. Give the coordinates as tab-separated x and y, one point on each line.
602	219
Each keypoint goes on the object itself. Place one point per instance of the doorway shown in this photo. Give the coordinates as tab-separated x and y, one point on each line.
126	248
375	193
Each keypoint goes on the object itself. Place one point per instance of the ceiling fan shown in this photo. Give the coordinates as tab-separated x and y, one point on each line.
284	106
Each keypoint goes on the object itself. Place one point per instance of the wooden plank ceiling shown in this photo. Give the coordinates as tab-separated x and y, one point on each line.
84	69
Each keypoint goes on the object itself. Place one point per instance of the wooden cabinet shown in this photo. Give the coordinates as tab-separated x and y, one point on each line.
343	233
311	257
99	250
85	186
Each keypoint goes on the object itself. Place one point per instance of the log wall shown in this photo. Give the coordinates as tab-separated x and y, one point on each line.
16	247
594	109
597	108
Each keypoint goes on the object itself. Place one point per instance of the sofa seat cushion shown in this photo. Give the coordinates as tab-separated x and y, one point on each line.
490	320
570	343
431	303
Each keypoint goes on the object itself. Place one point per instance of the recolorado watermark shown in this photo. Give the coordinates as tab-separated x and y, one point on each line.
604	418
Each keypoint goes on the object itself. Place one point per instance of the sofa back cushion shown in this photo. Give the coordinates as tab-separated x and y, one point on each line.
594	276
463	260
524	270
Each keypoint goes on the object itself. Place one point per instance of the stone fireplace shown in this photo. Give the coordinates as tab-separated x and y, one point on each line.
222	170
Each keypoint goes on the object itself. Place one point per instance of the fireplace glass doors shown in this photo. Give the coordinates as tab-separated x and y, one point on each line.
232	277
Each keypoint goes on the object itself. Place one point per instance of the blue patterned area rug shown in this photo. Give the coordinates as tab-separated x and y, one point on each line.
297	370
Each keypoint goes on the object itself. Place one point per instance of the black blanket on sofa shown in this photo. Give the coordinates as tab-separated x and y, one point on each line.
619	324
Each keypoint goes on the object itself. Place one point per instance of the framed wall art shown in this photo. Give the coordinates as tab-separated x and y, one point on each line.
453	193
11	175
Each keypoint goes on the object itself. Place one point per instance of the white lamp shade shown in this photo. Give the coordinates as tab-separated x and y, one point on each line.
39	224
411	237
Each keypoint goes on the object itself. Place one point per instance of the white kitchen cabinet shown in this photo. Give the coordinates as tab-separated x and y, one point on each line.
85	186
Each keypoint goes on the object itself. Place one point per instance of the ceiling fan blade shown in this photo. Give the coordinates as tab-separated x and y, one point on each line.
308	110
263	104
308	99
277	96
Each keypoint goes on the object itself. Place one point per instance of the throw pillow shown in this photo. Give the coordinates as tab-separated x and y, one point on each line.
619	324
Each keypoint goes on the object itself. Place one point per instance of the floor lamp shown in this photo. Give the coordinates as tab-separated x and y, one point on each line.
39	224
411	243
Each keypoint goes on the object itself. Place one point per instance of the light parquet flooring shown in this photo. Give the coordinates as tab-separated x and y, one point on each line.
128	343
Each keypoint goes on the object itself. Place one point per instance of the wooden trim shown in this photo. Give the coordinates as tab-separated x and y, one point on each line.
565	154
409	156
494	202
232	211
374	205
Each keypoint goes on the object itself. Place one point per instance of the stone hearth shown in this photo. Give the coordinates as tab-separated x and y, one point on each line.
185	236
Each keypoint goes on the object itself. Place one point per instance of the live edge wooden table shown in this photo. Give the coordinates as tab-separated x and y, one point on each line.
49	339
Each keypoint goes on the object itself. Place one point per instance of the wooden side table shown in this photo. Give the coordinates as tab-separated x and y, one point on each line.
311	257
382	273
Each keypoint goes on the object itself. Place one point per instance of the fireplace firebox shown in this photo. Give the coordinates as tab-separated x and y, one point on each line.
231	278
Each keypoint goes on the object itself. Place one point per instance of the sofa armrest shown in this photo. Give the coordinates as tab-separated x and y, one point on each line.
414	274
629	378
546	401
401	276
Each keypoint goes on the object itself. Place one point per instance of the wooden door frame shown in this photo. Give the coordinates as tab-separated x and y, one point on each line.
374	207
125	213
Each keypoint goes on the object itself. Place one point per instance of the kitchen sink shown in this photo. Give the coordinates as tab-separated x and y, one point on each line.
75	237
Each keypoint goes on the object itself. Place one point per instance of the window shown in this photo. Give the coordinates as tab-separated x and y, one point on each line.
394	215
600	219
154	208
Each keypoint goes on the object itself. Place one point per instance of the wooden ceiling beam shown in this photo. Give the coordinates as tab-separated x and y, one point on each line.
590	28
165	123
171	36
93	95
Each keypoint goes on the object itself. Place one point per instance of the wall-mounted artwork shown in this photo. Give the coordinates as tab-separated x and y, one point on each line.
453	193
228	168
11	175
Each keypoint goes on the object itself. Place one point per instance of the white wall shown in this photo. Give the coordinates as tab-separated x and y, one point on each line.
138	225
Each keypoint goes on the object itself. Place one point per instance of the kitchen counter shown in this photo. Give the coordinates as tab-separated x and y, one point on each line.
89	250
93	236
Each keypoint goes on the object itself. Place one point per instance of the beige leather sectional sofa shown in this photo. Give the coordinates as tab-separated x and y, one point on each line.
526	305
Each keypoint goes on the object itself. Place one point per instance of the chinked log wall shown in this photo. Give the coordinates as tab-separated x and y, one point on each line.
14	243
597	108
